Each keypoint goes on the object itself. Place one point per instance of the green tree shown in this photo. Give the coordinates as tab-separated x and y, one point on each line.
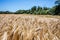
33	9
6	12
57	9
57	2
51	11
45	10
20	12
39	8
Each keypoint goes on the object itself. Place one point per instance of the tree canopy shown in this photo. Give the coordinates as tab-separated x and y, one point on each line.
38	10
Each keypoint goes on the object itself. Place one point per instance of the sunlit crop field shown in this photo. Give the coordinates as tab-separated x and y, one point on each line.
29	27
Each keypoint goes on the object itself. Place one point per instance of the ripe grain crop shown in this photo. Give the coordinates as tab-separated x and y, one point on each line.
29	27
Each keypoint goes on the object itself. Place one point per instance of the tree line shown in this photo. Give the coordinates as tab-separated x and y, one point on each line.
37	10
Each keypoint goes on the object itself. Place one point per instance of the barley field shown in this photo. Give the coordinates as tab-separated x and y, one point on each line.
29	27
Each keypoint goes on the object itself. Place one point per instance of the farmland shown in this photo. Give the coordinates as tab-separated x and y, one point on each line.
29	27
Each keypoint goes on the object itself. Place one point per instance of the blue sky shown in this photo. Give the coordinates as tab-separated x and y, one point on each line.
13	5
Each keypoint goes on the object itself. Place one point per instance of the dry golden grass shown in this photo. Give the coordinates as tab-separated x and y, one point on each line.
29	27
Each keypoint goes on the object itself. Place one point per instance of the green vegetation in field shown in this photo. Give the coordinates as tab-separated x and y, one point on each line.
37	10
